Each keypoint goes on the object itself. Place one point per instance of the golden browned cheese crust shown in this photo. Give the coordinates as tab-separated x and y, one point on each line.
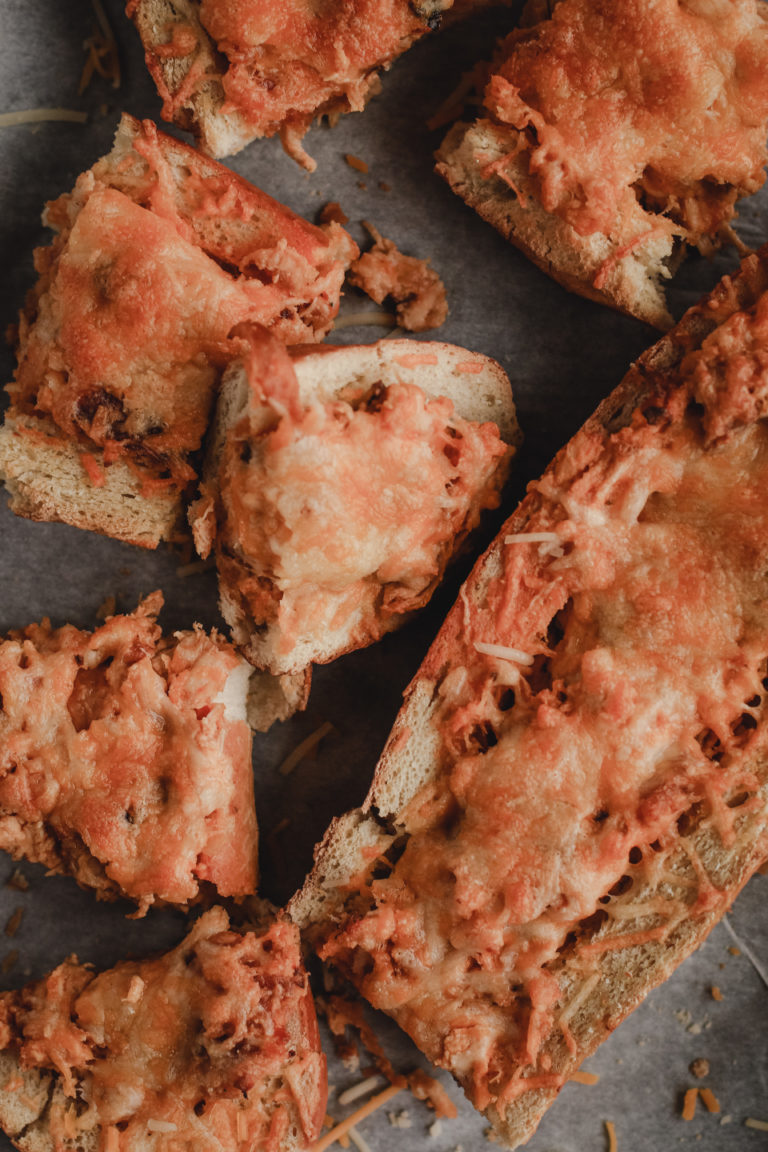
125	759
238	70
159	254
615	132
577	786
213	1045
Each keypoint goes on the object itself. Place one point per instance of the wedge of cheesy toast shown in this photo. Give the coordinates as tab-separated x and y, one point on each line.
212	1046
341	482
158	254
125	759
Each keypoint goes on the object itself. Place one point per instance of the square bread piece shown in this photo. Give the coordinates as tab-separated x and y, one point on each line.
576	787
616	133
233	70
158	254
125	759
212	1046
341	482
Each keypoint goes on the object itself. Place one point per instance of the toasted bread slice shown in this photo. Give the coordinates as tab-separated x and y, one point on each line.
213	1045
341	482
126	759
159	253
615	134
576	787
231	74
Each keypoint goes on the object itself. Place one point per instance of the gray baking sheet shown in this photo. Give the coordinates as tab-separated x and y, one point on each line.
563	355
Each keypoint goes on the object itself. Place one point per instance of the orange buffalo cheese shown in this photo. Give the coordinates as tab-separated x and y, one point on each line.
214	1043
345	510
125	758
129	331
628	112
560	785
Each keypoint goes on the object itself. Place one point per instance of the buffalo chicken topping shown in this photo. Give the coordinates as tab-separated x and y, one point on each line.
604	695
214	1044
637	115
125	759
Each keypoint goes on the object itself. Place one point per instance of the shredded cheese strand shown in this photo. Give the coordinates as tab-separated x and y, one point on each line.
610	1130
689	1103
364	1088
588	1078
358	1141
41	116
503	652
747	951
303	749
758	1125
365	1110
532	538
709	1100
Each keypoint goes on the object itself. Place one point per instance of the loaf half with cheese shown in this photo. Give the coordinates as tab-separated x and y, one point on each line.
158	254
125	759
576	787
613	135
230	73
341	482
212	1046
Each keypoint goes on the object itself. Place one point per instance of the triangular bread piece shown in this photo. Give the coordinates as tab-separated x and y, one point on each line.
341	482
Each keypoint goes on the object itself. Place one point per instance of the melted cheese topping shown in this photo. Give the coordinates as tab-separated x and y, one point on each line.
140	292
121	763
292	59
349	513
214	1043
630	104
564	784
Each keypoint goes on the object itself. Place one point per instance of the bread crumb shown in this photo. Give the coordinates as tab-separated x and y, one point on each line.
715	993
14	922
435	1128
490	1135
699	1068
18	881
726	1119
416	288
9	961
734	951
400	1119
333	213
384	186
362	185
355	162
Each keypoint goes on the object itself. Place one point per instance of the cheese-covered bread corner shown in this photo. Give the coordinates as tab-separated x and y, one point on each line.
616	133
212	1046
125	759
341	481
158	254
576	787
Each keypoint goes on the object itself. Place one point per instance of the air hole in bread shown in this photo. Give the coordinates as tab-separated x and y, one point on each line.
199	1108
754	701
738	800
504	697
694	415
742	727
635	855
600	816
710	745
655	845
621	886
481	738
539	676
689	821
24	661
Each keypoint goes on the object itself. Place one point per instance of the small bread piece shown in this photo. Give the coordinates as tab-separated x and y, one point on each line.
125	759
341	482
234	71
576	787
212	1046
419	293
159	253
616	133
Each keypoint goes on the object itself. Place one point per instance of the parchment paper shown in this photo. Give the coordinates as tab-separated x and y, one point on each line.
563	355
